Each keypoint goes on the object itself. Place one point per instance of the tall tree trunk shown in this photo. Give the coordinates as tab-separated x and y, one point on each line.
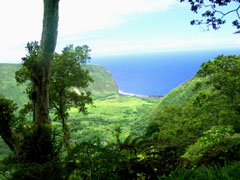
41	149
66	135
40	83
41	75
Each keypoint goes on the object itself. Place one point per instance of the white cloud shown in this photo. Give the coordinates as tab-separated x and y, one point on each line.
164	45
78	16
21	20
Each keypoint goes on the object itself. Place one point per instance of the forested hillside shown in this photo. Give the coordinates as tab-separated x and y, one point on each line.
200	119
209	89
179	96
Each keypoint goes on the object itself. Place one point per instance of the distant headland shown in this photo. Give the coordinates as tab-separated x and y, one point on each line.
139	95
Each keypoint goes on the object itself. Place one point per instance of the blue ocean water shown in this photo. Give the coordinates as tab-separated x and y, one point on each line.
156	73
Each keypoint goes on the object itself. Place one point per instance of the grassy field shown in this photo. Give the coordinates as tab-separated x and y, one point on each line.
107	113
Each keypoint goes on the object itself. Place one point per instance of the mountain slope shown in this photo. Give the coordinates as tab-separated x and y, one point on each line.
177	97
103	84
8	84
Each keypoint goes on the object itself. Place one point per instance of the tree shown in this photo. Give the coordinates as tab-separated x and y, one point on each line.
223	74
216	144
216	12
40	74
7	118
67	73
36	143
41	69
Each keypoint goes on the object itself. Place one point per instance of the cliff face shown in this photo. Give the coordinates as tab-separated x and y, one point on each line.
103	84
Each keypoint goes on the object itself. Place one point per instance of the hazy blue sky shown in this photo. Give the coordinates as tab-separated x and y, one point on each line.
111	27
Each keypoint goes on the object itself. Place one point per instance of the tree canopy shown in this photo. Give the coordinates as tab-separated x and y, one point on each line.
67	73
215	12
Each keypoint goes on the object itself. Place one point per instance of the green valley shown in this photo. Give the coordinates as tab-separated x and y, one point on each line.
108	110
64	119
191	132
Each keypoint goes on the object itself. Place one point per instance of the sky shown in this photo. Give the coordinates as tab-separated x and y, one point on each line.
111	27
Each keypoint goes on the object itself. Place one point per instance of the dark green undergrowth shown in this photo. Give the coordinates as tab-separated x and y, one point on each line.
230	171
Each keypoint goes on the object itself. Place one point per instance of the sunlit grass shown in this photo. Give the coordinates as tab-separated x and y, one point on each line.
108	112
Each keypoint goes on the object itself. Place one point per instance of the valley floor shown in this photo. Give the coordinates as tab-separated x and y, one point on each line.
107	113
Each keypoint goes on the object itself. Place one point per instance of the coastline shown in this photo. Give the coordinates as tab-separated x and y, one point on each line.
121	93
139	95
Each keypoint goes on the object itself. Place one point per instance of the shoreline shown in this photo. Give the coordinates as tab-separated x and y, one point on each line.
121	93
139	95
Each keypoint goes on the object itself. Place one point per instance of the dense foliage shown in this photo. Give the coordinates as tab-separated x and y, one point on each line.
196	139
66	73
205	128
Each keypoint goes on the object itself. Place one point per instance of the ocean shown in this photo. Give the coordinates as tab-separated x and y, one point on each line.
156	73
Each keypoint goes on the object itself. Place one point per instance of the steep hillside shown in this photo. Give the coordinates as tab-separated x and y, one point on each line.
177	97
8	84
103	84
